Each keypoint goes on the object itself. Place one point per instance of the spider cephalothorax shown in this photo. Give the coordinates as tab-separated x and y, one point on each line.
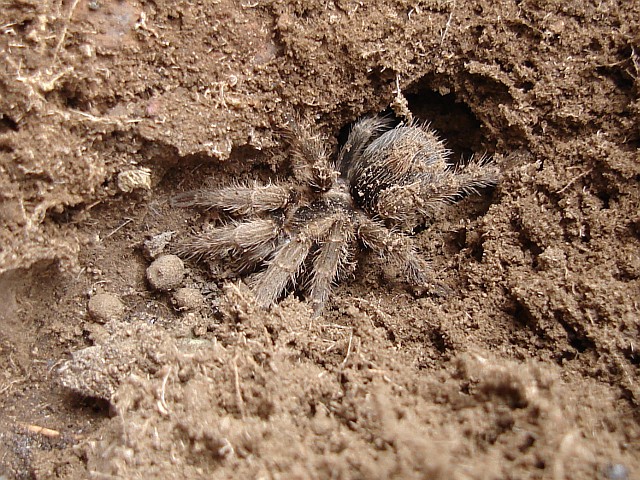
305	233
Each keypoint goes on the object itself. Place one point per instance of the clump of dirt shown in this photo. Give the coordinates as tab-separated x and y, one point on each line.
165	273
527	369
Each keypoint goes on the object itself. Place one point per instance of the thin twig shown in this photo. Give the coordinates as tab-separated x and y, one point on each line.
163	403
446	27
574	180
9	385
37	429
236	377
64	31
107	120
346	357
124	224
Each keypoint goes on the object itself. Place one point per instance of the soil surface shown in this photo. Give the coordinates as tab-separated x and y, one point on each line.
527	369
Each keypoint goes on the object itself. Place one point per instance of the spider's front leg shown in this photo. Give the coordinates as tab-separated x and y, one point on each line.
420	194
282	270
309	157
332	233
238	199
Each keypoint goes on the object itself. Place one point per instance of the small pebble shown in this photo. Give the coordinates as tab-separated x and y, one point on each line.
616	471
188	299
130	180
104	307
166	273
155	246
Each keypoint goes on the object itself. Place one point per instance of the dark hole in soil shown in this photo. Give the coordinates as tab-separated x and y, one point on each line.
576	339
631	354
93	407
605	198
66	214
454	121
440	341
7	123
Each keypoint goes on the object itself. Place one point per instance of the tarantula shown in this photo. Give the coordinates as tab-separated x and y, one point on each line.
305	233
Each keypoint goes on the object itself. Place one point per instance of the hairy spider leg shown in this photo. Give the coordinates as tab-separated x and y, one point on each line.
361	134
421	193
334	254
476	173
281	270
310	160
250	242
289	258
394	247
238	199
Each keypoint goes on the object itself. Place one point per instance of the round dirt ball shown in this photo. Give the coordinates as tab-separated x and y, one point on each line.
165	273
105	307
188	299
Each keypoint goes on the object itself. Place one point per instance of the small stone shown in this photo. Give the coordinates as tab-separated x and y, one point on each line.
154	247
188	299
616	471
130	180
552	258
166	273
104	307
87	50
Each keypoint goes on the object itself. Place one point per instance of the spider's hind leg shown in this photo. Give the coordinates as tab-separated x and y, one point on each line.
248	243
469	176
363	132
420	194
395	247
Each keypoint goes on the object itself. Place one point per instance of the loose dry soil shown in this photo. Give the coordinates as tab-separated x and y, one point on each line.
527	369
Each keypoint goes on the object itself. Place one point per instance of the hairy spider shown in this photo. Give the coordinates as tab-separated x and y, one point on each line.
305	233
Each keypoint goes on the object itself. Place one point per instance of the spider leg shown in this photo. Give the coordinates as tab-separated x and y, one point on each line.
238	200
420	194
360	135
395	247
282	269
310	160
250	241
332	257
472	175
330	231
